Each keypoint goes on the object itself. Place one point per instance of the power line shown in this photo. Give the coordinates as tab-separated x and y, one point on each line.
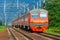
4	11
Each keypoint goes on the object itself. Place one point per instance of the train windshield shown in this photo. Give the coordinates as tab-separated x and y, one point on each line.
35	14
43	14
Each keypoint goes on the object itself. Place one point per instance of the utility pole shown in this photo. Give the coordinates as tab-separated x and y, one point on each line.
37	5
5	12
17	4
40	3
34	6
44	3
24	8
17	11
23	5
28	9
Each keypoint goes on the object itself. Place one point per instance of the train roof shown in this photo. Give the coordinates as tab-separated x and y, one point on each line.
38	10
33	10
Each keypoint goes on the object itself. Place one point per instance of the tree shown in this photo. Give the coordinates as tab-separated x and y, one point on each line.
53	7
0	22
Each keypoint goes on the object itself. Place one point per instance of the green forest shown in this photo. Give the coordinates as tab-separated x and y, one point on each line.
53	7
0	22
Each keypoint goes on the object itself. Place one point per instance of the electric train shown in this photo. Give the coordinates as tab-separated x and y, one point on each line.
35	20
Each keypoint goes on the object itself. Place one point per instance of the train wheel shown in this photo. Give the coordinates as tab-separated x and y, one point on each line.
25	27
21	26
15	26
28	28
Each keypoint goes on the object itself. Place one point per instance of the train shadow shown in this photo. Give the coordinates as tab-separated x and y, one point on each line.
30	31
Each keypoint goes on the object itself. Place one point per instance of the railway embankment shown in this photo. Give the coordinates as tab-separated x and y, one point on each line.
53	31
4	35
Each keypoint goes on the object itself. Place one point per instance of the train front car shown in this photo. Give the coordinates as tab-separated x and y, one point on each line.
38	20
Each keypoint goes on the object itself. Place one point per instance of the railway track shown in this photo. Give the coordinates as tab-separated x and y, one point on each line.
25	35
45	35
33	36
16	35
11	35
50	36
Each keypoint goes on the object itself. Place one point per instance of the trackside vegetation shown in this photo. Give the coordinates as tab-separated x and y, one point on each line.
54	31
2	28
53	7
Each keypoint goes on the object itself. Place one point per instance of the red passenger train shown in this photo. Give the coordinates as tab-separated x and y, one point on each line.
35	20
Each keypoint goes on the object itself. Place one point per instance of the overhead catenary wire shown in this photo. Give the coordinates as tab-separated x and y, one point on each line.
5	12
17	4
37	5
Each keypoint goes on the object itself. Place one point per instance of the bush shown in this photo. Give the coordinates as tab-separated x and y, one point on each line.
54	13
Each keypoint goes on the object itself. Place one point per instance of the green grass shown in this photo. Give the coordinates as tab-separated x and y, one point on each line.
2	28
52	30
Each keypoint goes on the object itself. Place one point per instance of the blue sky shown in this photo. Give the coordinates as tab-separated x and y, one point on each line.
11	12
